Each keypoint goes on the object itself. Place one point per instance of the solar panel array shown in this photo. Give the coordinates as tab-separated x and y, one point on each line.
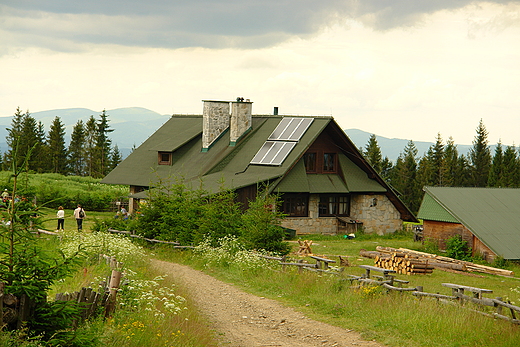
281	141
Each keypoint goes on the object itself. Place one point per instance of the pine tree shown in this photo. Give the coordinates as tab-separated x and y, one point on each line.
511	169
115	158
495	178
13	137
103	144
403	177
30	142
451	162
57	154
373	153
90	145
480	158
76	150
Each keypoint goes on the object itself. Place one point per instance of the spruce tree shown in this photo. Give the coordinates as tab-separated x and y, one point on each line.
115	158
57	153
76	150
13	136
103	146
372	153
90	145
495	178
451	156
480	158
403	177
511	170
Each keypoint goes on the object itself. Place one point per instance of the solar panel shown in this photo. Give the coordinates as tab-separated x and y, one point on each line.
290	129
273	152
281	141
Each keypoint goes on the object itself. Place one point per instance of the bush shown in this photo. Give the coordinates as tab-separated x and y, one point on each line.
457	248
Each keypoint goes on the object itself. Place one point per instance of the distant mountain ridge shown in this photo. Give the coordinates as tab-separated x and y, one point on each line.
133	125
391	148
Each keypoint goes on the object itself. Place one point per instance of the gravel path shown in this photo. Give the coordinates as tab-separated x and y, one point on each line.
246	320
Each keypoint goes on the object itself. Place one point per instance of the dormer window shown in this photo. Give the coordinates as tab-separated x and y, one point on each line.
310	162
320	162
329	162
165	158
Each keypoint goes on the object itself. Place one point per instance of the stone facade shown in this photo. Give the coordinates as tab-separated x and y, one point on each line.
215	120
241	120
377	213
381	217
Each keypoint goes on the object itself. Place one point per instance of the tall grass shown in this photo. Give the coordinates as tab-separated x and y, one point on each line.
395	319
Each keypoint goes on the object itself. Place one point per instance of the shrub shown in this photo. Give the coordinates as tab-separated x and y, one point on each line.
457	248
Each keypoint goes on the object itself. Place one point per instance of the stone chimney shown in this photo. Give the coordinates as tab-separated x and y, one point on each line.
215	121
240	119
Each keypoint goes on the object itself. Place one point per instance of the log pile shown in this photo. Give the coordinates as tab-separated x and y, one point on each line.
400	262
435	261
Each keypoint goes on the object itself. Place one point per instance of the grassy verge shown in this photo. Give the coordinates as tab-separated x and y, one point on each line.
152	309
394	319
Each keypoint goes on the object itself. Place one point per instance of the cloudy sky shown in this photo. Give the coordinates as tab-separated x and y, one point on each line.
398	68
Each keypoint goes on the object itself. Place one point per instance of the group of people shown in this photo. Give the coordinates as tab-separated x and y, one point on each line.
79	214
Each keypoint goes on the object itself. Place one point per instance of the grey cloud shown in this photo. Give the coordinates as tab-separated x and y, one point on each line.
206	23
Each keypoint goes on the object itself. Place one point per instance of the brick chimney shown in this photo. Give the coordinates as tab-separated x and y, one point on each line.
240	119
215	121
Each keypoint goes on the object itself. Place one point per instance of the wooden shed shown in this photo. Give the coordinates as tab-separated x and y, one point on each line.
487	218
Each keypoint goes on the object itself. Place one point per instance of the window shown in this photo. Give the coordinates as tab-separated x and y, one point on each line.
334	205
329	162
310	162
165	158
296	205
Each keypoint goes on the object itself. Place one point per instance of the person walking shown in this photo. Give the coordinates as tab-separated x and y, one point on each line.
61	218
79	214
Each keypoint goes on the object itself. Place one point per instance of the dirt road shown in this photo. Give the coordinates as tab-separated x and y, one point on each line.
246	320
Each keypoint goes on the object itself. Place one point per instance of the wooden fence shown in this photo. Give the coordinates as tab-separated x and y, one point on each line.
131	234
497	307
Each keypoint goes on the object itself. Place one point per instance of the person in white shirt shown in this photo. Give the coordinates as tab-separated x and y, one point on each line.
61	218
79	214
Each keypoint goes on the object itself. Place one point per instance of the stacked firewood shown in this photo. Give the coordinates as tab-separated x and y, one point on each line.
401	263
435	261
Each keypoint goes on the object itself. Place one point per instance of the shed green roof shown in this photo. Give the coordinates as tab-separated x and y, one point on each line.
491	214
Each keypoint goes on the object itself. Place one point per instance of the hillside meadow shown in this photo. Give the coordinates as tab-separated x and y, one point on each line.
393	319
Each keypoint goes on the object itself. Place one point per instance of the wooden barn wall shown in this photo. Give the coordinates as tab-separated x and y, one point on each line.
481	249
440	232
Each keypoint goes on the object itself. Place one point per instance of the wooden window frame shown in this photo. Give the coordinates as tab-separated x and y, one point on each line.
296	205
161	158
310	160
330	166
328	208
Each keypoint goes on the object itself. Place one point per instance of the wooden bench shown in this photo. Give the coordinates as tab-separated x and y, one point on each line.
458	290
322	261
386	272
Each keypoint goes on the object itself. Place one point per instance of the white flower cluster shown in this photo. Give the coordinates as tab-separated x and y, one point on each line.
151	296
230	252
517	291
97	243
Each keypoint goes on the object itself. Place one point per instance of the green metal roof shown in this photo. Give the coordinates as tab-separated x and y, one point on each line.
492	214
357	180
432	210
228	166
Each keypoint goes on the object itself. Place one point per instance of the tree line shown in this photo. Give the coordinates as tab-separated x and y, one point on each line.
443	166
89	153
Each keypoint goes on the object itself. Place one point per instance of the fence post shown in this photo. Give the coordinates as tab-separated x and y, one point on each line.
115	279
1	304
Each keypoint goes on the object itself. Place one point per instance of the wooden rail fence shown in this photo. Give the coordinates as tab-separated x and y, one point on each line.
502	310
